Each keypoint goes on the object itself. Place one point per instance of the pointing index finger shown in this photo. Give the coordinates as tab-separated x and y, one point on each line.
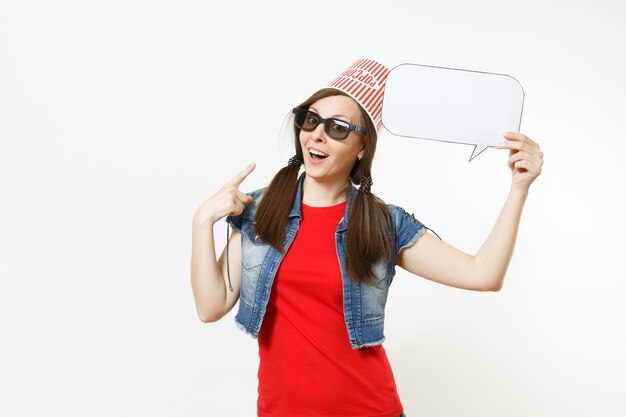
242	175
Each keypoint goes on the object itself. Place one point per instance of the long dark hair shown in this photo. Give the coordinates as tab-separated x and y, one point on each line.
369	222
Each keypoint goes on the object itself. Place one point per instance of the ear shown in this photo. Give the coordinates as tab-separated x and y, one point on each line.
360	154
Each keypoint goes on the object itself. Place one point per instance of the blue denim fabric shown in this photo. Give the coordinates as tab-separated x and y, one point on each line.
363	303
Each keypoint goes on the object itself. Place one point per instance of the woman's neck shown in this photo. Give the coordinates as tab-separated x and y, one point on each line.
323	194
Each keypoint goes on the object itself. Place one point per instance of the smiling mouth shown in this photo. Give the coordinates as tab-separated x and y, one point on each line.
317	154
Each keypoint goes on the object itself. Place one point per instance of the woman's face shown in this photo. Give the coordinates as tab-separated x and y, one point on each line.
341	154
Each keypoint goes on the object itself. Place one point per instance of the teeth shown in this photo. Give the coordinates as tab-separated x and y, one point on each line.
318	153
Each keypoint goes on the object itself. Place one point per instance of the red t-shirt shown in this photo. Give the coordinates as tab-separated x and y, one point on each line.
307	366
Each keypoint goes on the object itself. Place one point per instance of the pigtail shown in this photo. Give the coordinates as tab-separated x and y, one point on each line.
369	225
272	215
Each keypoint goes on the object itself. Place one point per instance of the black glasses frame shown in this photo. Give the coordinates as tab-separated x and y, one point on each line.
327	124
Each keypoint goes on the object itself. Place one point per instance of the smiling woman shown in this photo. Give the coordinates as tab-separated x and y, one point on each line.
348	158
312	257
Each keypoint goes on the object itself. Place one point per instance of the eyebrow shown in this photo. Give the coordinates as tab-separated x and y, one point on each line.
334	115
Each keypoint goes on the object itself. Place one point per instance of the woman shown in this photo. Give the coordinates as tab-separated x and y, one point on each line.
311	258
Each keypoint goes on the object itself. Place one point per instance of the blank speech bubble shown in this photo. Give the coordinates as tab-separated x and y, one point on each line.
452	105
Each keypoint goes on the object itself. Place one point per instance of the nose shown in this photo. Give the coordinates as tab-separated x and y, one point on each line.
318	133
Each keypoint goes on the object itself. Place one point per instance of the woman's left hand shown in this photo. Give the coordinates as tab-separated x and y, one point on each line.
525	158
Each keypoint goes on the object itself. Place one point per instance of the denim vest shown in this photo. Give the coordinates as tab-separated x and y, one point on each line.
363	303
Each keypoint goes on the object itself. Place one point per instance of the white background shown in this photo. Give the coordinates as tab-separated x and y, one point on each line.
118	118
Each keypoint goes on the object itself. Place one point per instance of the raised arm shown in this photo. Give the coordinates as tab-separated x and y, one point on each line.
209	279
438	261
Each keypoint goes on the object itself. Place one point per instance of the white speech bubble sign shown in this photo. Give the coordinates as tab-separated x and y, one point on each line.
452	105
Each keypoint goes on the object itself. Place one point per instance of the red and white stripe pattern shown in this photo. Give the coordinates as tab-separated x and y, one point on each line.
365	81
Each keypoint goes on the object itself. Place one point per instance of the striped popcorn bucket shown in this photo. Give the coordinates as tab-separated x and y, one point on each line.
364	81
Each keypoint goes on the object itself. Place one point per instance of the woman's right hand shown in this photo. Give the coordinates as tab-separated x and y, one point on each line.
228	200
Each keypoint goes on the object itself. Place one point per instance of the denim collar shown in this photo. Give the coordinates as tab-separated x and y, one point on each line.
296	208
